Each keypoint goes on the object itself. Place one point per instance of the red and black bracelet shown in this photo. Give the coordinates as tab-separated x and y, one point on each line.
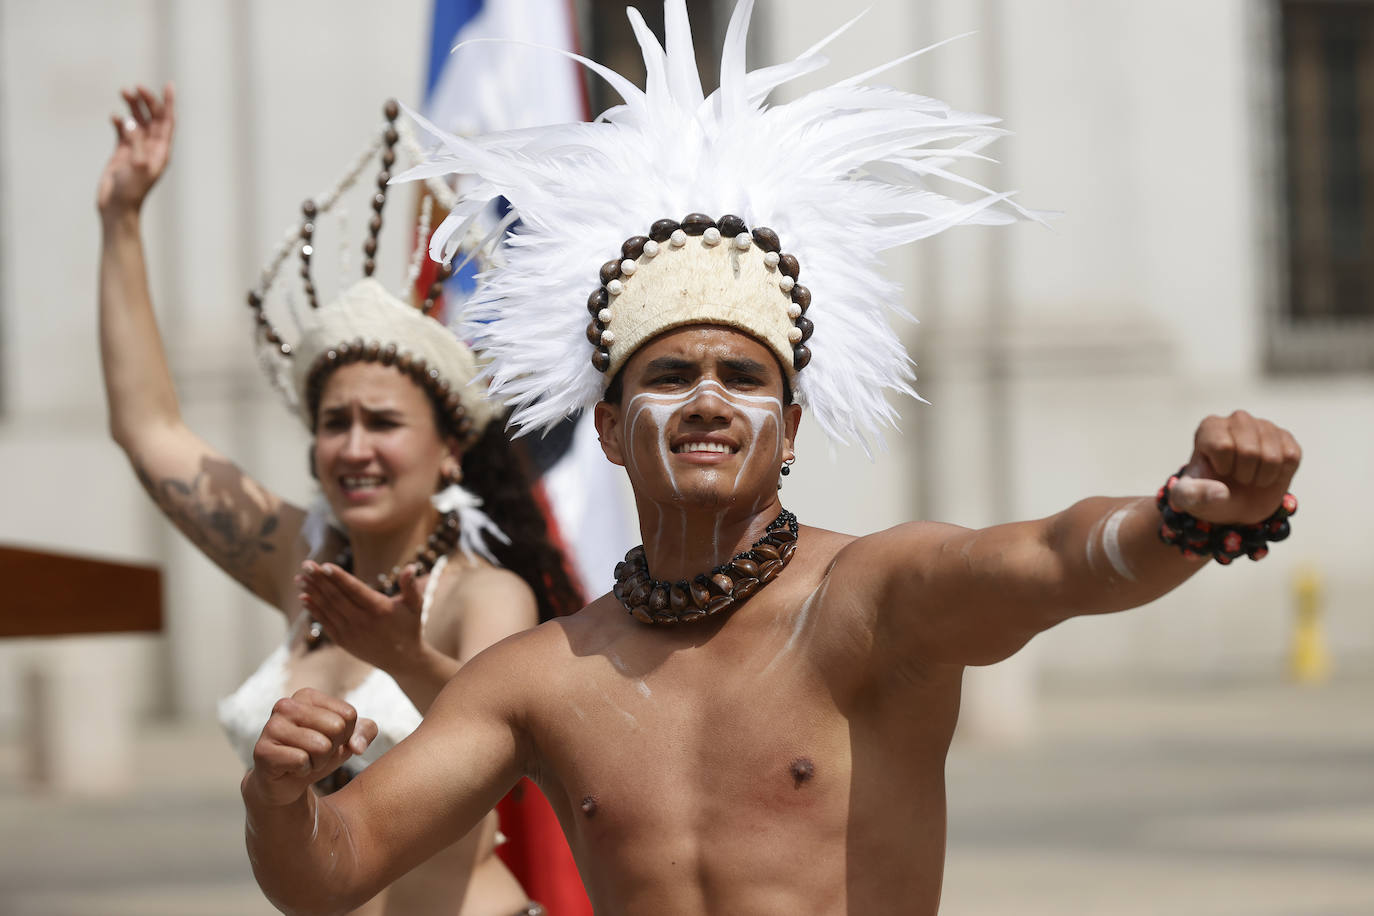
1224	543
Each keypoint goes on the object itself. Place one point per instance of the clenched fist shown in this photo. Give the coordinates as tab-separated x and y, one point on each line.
1240	469
309	736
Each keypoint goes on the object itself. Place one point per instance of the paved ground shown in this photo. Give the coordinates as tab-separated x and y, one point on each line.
1254	799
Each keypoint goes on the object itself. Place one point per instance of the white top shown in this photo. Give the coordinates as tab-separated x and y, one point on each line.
244	712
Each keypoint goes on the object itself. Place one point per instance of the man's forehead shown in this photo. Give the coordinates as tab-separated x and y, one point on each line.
705	343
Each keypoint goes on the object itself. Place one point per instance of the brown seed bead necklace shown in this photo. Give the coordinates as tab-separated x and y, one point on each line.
729	585
441	542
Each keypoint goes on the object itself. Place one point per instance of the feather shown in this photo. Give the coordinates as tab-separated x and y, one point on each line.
842	174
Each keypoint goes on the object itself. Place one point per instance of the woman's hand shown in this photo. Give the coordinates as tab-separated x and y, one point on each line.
142	148
383	631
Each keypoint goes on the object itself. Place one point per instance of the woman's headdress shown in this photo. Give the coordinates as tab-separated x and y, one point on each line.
366	322
678	208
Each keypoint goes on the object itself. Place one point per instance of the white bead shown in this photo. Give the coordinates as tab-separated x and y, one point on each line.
770	259
793	335
650	248
307	250
628	267
615	287
786	283
608	337
711	236
743	241
604	316
678	238
793	311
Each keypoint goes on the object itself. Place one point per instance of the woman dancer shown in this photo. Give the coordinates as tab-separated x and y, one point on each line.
396	425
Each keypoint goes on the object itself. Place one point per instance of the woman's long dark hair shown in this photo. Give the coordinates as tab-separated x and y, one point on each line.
498	471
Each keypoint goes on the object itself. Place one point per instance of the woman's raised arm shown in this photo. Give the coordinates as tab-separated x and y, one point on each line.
246	529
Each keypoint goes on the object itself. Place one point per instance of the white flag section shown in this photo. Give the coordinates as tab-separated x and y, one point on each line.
500	85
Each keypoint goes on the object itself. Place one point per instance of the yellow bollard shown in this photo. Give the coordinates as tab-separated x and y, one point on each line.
1308	660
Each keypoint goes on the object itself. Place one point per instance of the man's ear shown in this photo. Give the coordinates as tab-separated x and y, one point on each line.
606	416
791	421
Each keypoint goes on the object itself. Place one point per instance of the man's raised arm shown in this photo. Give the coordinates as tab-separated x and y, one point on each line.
325	855
954	595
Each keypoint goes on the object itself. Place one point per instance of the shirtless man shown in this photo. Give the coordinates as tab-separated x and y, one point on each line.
782	752
786	759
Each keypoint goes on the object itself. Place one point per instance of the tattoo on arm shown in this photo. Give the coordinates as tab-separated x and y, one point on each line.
214	510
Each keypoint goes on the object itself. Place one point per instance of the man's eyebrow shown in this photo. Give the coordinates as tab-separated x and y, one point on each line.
744	364
668	364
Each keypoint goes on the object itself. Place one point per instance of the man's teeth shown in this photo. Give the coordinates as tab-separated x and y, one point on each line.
359	483
703	447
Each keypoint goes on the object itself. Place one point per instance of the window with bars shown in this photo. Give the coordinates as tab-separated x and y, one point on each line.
1326	313
608	39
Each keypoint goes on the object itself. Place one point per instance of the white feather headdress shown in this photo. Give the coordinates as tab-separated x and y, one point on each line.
839	175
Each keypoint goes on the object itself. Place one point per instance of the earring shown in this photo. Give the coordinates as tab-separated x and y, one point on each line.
787	466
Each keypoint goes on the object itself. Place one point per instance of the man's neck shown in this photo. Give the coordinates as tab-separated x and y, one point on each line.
682	541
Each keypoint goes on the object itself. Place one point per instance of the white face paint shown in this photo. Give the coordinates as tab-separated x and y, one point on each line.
758	411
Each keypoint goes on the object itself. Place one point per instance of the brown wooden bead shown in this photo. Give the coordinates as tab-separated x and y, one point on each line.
699	592
594	333
618	589
767	239
388	158
454	404
664	618
307	230
782	534
634	246
254	300
640	578
372	351
745	588
597	301
610	270
440	388
691	614
697	223
807	326
720	604
636	555
388	354
429	557
730	225
642	614
744	568
271	337
374	225
390	136
789	266
800	357
802	296
663	229
391	109
769	571
308	209
677	598
640	593
403	362
260	318
370	247
622	569
658	598
788	550
601	360
368	267
722	584
383	177
378	201
766	552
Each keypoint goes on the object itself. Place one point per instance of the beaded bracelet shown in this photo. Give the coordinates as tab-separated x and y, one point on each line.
1224	543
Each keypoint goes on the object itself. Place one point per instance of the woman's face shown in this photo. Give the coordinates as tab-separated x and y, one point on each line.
378	454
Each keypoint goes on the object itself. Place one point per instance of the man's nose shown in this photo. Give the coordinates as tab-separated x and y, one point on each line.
708	403
357	444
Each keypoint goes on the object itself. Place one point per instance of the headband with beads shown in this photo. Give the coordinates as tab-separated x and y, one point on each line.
832	179
366	322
